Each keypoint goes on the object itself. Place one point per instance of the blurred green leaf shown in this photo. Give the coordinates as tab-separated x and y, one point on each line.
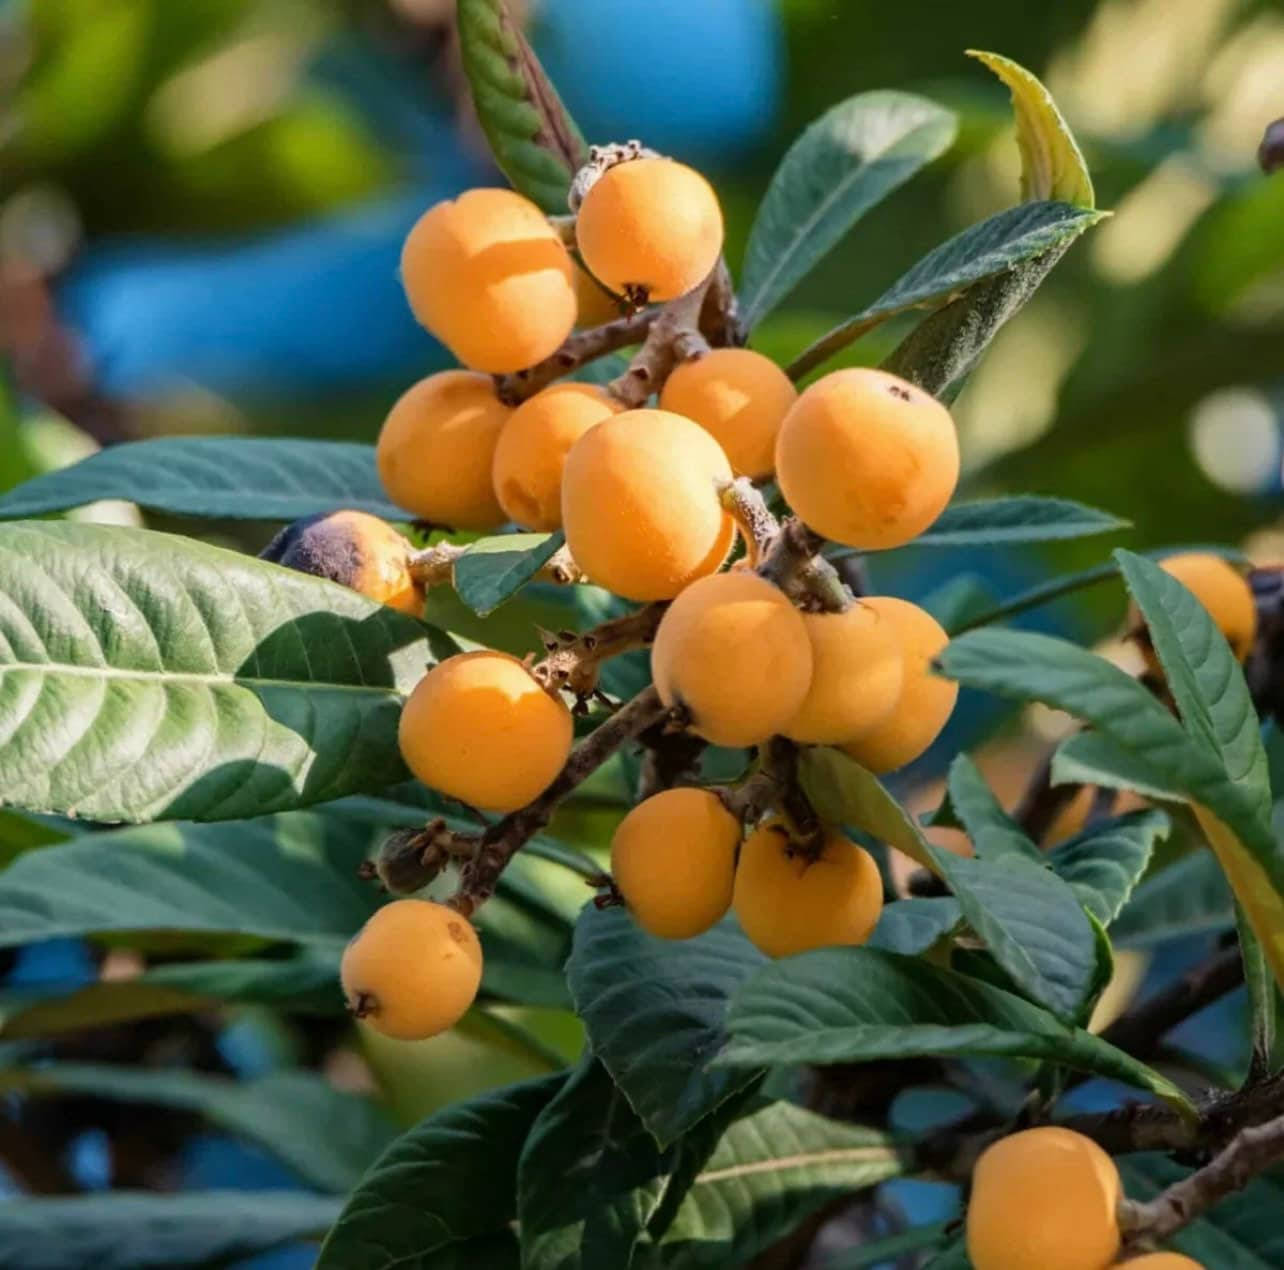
654	1012
142	1230
920	1239
848	1005
913	925
448	1182
1104	863
328	1137
1189	897
493	569
991	247
1018	518
848	160
147	676
532	137
253	478
995	835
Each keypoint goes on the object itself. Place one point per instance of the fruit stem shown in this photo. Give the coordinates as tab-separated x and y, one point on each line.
574	662
678	325
794	565
747	507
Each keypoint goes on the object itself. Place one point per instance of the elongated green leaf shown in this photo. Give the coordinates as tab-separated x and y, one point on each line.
1189	897
914	925
534	140
493	569
280	878
856	1004
146	676
1020	518
1104	862
1242	1232
1089	758
590	1178
994	245
1202	674
141	1230
230	478
956	602
654	1010
451	1178
769	1170
1033	924
843	792
848	160
1051	164
1263	996
995	835
326	1136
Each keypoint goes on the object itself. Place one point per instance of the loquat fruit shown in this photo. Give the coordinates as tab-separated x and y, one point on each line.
674	859
640	504
533	446
867	459
926	701
354	549
1043	1197
1221	589
1161	1261
650	229
437	447
412	970
857	675
489	276
733	651
787	903
740	398
478	727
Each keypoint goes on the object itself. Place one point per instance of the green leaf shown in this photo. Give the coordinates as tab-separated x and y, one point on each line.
492	569
994	834
1243	1232
844	1005
1263	997
1033	924
1088	758
768	1172
142	1230
534	140
1020	518
1104	862
1051	163
654	1011
328	1137
843	792
913	925
227	478
1189	897
287	878
845	162
451	1178
981	251
144	675
921	1239
590	1178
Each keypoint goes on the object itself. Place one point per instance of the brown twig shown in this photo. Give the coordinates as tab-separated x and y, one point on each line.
758	527
794	565
674	336
574	662
578	350
493	849
1253	1150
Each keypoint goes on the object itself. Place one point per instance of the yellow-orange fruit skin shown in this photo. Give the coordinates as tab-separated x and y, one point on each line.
856	678
740	398
1044	1197
594	305
489	277
356	550
479	728
926	701
867	459
437	447
787	904
640	504
533	446
651	228
733	651
412	970
1222	590
1162	1261
674	859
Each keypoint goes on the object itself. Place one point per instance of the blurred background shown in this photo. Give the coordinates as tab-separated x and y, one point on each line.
201	208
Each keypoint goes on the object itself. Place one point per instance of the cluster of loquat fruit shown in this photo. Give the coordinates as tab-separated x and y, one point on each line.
862	457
